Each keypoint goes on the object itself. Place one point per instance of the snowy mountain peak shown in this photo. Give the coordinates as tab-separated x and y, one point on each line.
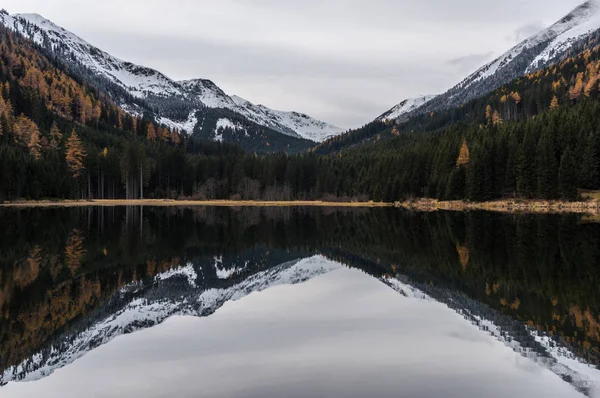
160	92
406	106
534	53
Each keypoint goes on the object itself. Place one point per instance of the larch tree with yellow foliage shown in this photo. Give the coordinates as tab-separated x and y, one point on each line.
496	119
464	155
75	155
151	134
35	146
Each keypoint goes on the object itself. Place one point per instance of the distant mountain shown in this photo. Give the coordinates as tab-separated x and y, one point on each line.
142	90
578	29
405	107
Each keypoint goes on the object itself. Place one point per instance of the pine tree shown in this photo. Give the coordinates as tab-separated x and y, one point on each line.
567	176
526	166
547	168
590	171
455	189
75	155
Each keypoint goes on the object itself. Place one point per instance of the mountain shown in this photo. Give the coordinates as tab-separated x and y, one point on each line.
577	30
406	106
140	90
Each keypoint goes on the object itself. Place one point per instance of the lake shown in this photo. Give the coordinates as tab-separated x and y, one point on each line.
297	302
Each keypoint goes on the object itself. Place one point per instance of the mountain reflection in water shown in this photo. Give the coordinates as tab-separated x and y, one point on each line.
72	280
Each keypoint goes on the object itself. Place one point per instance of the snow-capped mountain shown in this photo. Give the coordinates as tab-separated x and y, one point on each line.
574	32
156	90
406	106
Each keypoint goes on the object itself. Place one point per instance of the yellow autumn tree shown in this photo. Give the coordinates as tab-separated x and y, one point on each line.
35	146
591	85
464	156
496	118
175	139
163	134
488	113
151	134
554	103
23	129
516	97
75	155
575	91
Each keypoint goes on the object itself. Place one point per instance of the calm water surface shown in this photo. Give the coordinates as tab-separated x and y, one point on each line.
111	302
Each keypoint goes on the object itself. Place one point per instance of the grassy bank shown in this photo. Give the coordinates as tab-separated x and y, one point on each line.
590	206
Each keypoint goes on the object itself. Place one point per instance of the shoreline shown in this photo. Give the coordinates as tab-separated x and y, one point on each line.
190	203
590	207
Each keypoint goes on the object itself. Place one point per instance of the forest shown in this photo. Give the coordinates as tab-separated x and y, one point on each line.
62	138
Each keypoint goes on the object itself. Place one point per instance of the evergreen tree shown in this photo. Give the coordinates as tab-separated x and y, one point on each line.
547	169
590	170
567	176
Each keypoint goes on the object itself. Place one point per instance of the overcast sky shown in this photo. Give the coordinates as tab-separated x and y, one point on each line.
343	61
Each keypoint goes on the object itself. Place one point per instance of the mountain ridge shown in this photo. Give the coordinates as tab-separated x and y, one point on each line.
175	103
534	53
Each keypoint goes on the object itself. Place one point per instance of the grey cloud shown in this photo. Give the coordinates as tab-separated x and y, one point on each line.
527	31
472	61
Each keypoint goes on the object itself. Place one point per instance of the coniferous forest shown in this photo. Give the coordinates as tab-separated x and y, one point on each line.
60	138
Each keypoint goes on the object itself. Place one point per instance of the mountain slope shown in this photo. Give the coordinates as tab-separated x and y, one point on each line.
573	32
176	102
406	106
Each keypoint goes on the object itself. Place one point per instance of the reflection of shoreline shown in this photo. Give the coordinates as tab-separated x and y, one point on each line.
505	206
198	203
424	205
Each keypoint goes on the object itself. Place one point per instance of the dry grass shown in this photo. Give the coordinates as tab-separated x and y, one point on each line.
193	203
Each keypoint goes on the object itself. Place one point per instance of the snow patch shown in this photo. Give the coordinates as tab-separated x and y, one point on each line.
404	107
224	123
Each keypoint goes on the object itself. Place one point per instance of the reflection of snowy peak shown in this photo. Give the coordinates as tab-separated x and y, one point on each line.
158	90
522	339
181	291
534	53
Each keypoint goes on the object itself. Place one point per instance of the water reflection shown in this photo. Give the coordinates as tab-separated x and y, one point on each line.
73	279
